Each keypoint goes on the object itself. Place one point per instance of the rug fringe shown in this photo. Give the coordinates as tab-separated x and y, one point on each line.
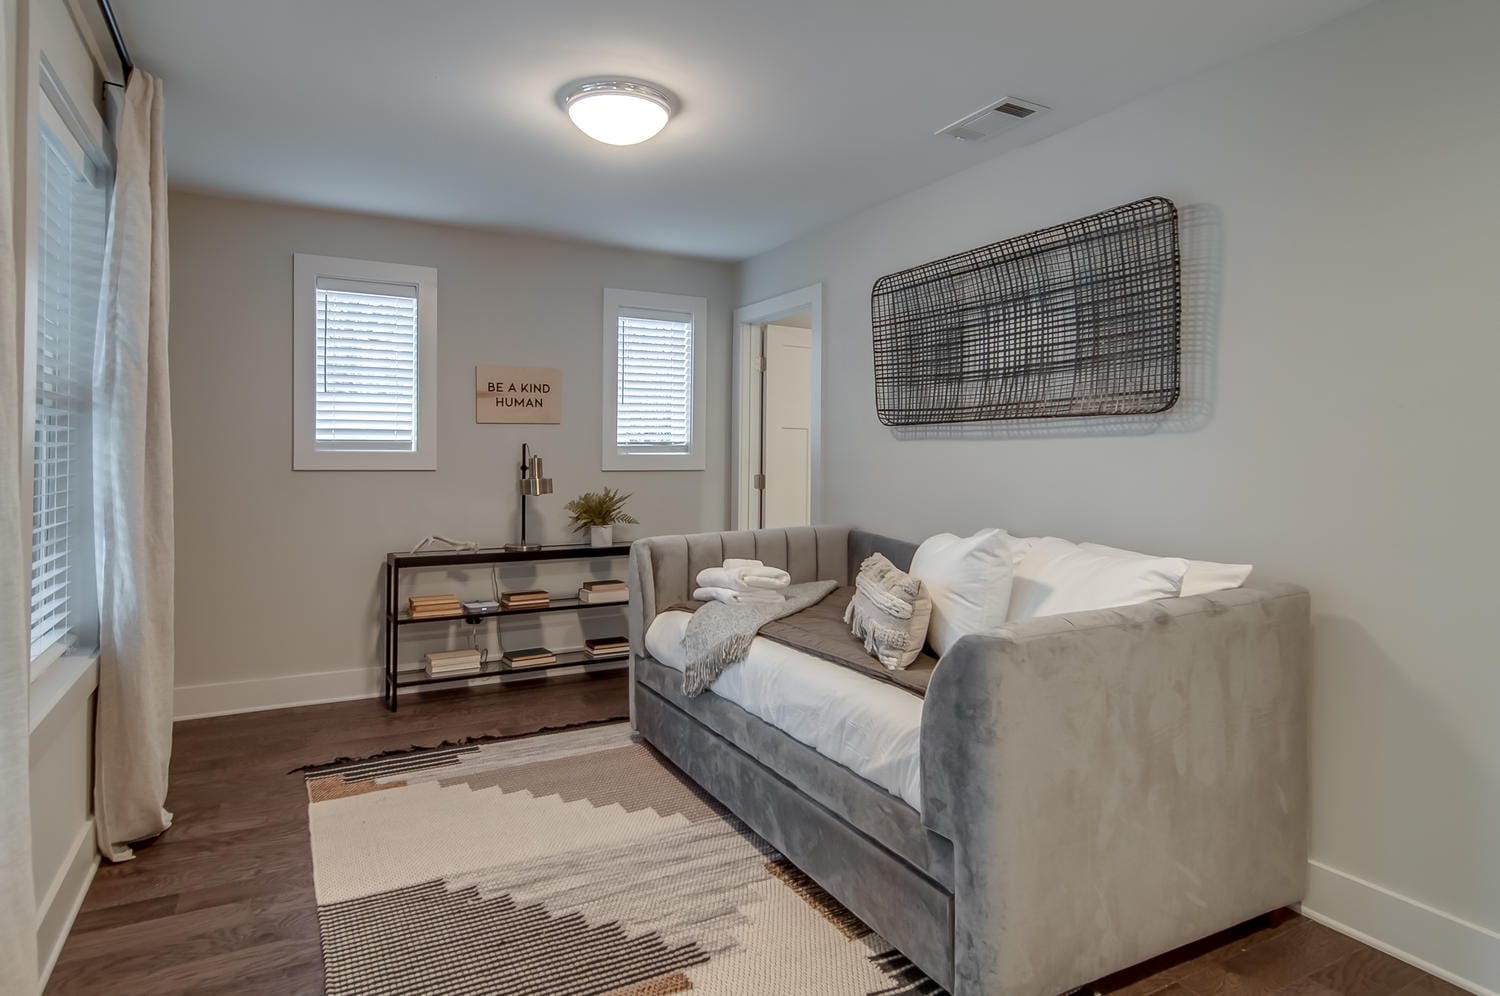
489	738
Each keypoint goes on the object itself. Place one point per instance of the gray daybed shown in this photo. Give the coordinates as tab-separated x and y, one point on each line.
1097	788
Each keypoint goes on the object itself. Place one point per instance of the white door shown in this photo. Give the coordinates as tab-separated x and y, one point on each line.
786	457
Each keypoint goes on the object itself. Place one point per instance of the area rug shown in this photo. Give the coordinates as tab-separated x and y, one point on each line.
567	864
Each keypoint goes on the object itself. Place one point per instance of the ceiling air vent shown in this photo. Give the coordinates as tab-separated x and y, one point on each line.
992	119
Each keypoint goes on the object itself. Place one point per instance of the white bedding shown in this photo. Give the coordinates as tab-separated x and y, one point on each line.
868	726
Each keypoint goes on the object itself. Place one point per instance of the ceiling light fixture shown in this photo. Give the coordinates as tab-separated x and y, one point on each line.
617	111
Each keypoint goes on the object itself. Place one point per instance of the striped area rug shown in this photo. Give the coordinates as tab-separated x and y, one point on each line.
566	864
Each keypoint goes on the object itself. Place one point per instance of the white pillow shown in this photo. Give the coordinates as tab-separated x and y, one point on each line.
1058	576
968	579
1020	546
1202	577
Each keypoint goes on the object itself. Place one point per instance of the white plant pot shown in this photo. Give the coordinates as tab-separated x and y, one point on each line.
601	535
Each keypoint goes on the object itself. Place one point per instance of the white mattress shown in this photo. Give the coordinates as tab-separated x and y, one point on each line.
868	726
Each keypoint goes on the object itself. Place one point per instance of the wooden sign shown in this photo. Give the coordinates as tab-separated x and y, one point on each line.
530	395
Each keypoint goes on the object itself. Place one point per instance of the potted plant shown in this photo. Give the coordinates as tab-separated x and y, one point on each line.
598	512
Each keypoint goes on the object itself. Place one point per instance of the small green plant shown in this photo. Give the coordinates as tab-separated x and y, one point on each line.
599	508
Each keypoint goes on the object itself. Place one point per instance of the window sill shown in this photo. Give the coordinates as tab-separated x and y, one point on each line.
653	461
69	677
307	458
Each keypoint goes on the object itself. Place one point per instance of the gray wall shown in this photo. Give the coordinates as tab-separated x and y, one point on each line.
278	571
1343	234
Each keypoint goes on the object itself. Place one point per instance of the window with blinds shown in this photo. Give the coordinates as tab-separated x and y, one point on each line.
71	220
654	360
364	364
365	367
654	378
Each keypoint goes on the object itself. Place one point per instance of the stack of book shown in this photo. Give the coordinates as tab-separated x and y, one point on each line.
453	663
525	600
531	657
606	647
434	606
603	592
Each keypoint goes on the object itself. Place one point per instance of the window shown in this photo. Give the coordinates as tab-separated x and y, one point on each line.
653	381
71	221
365	367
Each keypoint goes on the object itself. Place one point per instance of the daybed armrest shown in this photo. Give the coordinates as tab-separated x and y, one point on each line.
1118	782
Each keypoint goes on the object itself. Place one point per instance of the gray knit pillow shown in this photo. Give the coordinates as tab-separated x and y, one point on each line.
889	611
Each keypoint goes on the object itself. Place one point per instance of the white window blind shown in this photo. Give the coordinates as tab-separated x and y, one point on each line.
365	369
654	374
71	220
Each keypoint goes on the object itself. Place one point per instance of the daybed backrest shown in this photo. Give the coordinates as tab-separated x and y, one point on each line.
663	568
862	544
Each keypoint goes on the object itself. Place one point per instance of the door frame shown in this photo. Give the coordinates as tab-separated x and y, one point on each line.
748	377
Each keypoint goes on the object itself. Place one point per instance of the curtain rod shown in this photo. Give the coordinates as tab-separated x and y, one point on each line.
114	33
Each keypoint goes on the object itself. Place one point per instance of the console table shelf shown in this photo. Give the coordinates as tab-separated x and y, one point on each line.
491	669
500	555
397	679
569	604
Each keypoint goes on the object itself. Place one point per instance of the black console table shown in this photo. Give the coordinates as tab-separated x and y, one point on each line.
395	618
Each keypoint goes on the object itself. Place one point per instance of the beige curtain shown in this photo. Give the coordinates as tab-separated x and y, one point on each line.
17	893
133	489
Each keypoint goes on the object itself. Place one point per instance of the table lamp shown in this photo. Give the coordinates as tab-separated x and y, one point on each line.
532	485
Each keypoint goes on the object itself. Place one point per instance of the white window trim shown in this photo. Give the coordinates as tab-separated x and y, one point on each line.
616	301
305	454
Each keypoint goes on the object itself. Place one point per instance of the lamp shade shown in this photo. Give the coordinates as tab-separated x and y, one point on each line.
533	483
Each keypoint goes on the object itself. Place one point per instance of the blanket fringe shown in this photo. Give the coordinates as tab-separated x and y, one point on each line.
700	674
734	627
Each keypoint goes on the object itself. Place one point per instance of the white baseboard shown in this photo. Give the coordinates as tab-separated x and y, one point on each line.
226	698
1439	943
58	908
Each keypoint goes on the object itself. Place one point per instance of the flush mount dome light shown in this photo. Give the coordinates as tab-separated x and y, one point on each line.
617	111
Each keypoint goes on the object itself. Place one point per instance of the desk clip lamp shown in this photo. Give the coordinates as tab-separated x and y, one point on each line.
532	485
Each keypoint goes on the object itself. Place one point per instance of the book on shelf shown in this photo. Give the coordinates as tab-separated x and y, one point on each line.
607	646
604	584
530	657
446	663
433	606
456	671
606	596
461	654
524	599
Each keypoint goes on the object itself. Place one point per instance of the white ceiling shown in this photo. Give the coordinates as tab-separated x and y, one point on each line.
794	112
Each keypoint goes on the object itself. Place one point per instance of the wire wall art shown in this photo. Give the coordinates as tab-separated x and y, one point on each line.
1081	319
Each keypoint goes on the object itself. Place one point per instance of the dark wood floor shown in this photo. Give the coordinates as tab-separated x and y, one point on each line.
223	903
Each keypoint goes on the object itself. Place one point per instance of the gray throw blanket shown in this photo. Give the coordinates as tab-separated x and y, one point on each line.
719	634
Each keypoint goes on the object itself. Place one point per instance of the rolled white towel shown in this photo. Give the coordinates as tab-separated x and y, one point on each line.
711	594
744	575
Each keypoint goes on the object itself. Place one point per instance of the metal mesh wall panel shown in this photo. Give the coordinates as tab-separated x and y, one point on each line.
1075	320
